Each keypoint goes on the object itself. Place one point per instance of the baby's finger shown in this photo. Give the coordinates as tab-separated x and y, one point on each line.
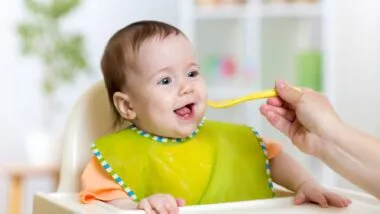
347	201
171	205
335	200
144	205
318	198
159	208
158	204
180	202
288	114
300	198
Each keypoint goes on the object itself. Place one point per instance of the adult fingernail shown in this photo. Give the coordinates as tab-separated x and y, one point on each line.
281	84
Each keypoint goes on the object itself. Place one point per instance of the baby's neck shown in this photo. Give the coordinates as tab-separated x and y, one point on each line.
162	138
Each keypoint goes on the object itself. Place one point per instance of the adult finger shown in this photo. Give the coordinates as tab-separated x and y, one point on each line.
288	93
288	114
275	101
279	122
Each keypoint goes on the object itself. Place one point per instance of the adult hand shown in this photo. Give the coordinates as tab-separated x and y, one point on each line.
309	120
305	116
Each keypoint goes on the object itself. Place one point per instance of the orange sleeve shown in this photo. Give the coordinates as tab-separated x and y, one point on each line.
98	185
273	148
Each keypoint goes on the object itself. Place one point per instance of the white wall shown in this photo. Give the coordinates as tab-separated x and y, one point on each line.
357	55
358	63
20	110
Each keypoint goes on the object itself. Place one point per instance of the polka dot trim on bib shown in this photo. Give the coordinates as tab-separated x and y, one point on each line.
113	173
164	139
267	166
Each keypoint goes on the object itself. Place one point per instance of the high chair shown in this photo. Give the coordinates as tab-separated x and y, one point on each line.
91	118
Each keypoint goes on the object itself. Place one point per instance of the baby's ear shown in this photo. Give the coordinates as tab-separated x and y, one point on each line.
123	105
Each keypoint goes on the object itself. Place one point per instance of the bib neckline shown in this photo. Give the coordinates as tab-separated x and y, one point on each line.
160	139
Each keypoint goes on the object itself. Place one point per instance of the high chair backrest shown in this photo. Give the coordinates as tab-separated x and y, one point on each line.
89	119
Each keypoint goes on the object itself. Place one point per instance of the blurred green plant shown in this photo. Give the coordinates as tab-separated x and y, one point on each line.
62	54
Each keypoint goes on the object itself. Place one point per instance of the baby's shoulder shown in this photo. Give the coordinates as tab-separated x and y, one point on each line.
112	137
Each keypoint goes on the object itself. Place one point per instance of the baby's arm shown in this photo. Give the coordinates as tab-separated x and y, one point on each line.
123	203
289	174
97	185
285	171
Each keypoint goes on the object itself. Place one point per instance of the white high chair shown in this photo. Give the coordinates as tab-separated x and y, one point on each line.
91	118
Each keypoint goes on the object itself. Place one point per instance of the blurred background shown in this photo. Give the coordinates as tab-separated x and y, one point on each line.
50	52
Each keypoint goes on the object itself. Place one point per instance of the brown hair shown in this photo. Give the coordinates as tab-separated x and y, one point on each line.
120	52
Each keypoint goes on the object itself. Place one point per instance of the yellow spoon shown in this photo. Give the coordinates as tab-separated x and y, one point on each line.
252	96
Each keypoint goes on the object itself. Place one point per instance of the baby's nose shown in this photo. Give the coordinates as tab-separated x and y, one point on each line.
186	88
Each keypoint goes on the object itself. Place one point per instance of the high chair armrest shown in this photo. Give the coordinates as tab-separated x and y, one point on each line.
67	203
64	203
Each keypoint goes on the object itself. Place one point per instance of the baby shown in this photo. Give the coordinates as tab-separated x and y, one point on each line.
170	155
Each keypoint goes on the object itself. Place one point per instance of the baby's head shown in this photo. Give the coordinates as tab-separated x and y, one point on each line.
153	79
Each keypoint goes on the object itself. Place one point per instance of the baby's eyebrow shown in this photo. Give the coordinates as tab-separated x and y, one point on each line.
163	69
168	68
193	64
155	73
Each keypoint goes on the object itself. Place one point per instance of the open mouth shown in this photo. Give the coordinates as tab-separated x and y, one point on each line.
185	112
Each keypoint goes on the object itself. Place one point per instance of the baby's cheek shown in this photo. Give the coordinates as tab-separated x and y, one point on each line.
161	112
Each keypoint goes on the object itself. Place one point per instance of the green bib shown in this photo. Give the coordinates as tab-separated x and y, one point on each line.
219	163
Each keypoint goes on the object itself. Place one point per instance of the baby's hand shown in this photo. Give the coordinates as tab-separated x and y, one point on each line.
160	204
311	191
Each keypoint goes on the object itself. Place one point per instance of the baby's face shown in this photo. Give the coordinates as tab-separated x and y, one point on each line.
168	93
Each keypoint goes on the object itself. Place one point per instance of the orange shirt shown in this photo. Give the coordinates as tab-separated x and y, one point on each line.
97	184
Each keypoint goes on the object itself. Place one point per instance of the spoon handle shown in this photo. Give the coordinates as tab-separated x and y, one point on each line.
260	95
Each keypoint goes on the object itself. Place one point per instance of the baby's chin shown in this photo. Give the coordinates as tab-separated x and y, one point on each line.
184	131
181	129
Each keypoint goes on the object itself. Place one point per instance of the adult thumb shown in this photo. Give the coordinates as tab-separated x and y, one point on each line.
288	93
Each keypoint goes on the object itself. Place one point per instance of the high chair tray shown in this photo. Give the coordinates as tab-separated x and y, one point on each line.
59	203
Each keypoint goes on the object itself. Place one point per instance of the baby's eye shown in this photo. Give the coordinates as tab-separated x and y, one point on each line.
193	74
165	81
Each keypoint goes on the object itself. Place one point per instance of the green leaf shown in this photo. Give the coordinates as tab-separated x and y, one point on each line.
30	37
48	87
60	8
63	55
36	7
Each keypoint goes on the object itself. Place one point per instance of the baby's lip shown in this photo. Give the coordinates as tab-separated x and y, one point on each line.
186	105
